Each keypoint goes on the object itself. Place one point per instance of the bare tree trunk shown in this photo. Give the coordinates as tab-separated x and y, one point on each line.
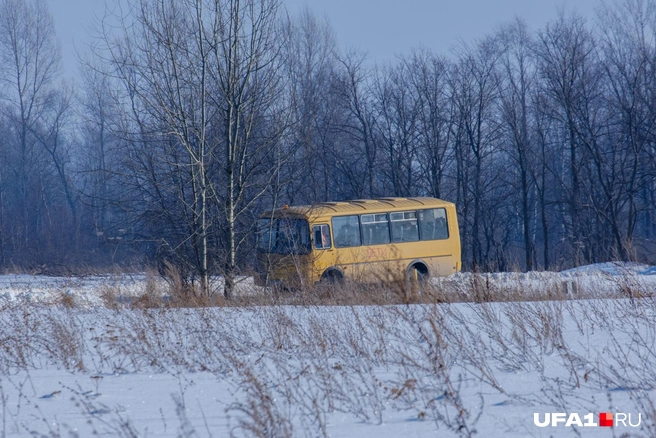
2	220
351	92
31	57
515	81
475	94
565	52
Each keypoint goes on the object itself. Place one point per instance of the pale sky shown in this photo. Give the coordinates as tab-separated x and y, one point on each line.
382	28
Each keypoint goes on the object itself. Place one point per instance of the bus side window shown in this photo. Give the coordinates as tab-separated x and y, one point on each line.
346	231
433	224
321	235
404	226
375	229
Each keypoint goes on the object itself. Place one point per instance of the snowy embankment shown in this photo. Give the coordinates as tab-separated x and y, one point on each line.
460	369
610	279
603	279
96	290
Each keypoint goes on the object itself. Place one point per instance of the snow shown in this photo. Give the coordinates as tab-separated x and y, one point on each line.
613	269
89	290
599	279
455	369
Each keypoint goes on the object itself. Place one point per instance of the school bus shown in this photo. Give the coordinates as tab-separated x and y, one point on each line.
365	240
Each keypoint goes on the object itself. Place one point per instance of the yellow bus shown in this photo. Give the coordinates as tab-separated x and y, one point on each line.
384	239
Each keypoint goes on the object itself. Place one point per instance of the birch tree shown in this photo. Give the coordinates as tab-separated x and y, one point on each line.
199	92
246	44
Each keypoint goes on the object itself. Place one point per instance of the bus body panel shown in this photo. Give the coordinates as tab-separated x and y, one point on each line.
364	263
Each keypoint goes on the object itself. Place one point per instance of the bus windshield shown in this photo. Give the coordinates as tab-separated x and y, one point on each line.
284	236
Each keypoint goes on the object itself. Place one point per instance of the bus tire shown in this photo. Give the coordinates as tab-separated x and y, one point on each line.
417	274
332	276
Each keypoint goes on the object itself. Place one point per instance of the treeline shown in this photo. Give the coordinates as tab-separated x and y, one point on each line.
193	116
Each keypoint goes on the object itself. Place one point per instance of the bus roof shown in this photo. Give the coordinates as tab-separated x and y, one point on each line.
358	206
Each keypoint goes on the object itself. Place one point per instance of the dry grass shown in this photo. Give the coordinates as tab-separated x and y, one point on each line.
295	366
173	290
365	350
65	299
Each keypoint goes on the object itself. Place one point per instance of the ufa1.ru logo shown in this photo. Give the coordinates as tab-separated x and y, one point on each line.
606	419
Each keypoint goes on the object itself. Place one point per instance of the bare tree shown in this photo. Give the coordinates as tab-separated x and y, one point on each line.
51	135
621	157
245	43
475	93
310	64
516	79
95	166
542	176
398	109
565	52
197	114
3	222
29	67
436	118
353	94
162	63
200	85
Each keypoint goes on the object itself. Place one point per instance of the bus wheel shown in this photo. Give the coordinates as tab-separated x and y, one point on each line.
332	277
330	283
417	276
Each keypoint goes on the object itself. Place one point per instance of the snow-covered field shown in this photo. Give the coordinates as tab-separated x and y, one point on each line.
71	366
599	280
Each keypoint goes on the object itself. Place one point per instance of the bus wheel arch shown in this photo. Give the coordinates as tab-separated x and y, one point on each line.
332	275
418	270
